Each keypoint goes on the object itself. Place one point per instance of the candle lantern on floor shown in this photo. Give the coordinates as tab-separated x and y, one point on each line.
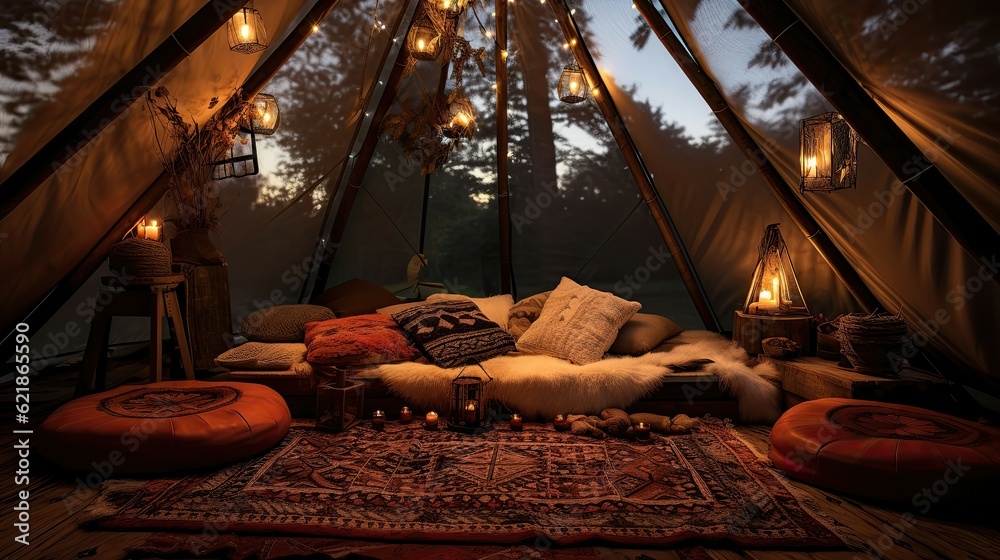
774	305
468	403
828	153
339	405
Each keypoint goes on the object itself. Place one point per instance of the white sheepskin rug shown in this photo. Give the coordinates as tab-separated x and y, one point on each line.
545	386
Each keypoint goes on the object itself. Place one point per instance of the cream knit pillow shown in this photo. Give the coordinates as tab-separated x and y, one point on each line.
577	323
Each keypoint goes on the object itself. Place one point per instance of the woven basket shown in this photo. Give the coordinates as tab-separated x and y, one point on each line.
871	342
139	258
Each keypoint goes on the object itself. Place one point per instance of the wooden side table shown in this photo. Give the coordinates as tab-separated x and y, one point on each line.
805	379
154	297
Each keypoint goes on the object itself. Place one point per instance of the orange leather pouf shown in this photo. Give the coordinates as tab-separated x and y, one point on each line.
164	427
887	451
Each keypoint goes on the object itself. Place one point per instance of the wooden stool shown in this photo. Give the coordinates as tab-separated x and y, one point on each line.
155	297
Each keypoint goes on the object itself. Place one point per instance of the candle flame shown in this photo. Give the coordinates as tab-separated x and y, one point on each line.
574	87
245	31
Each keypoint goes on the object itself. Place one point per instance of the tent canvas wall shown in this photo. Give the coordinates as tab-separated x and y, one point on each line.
573	198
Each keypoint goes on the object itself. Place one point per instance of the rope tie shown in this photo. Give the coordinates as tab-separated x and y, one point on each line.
179	44
919	173
775	40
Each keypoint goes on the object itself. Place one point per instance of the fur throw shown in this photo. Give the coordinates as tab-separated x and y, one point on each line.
546	386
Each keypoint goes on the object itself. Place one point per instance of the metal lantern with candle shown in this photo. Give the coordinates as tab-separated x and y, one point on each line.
246	31
424	40
265	118
460	120
339	405
573	86
468	403
828	154
774	305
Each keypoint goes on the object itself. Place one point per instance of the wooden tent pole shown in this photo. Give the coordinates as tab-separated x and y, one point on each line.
65	145
916	171
754	153
624	140
72	281
307	287
503	185
360	167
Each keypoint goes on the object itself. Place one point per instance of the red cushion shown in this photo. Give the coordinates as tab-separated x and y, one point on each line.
361	339
164	427
886	451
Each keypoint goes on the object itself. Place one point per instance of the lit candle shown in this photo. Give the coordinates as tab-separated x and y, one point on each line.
152	231
405	415
421	45
574	87
378	420
765	302
245	31
641	431
470	416
431	420
811	166
516	424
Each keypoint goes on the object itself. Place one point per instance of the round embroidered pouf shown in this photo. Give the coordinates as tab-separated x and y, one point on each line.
164	427
886	451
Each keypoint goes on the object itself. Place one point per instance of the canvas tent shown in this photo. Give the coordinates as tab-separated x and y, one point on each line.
576	208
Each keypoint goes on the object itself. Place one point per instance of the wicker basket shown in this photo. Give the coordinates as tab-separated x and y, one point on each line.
139	258
872	344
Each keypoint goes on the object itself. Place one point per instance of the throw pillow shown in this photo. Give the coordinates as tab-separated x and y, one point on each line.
496	308
525	312
642	333
357	340
577	323
281	323
454	333
355	297
263	356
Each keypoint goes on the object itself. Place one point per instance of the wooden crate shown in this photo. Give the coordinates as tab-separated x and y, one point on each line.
806	379
208	312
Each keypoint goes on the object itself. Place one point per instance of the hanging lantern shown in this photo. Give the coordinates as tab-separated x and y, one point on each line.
424	41
468	403
828	152
339	405
460	119
246	31
265	116
573	86
774	289
452	8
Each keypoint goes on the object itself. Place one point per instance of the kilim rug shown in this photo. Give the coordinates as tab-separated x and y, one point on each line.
502	487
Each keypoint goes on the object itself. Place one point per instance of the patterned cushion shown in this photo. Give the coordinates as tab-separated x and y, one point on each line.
282	323
361	339
577	323
454	333
263	356
642	333
525	312
496	308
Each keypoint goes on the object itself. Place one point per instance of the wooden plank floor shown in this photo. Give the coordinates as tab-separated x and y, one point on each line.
56	501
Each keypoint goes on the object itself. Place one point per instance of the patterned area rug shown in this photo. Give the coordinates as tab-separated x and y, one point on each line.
410	484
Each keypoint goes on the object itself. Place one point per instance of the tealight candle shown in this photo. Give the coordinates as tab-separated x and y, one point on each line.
431	420
405	415
516	423
469	415
642	431
378	420
152	232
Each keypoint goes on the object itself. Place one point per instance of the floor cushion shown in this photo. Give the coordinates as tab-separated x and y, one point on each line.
164	427
886	451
